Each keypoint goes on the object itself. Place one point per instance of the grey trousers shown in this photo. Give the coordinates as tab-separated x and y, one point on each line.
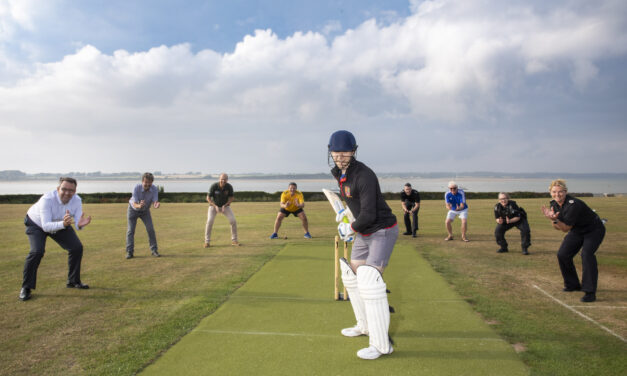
131	216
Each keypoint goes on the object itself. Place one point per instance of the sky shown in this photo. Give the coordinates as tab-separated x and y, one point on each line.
259	86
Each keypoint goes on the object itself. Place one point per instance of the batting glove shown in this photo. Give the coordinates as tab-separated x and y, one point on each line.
341	216
346	232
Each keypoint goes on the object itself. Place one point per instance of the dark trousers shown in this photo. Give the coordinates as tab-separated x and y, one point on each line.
588	242
525	233
409	205
66	238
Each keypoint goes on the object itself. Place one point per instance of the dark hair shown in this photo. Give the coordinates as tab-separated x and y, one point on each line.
148	176
292	183
408	185
69	180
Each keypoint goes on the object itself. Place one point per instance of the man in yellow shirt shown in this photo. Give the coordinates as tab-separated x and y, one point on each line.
292	202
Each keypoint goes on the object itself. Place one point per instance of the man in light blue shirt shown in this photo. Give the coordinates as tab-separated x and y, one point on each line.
53	216
144	195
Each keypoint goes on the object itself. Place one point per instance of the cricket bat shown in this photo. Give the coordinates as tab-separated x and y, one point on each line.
338	205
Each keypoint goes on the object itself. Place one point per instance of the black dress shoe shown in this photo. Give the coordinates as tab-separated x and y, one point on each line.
25	294
589	297
77	286
569	289
502	250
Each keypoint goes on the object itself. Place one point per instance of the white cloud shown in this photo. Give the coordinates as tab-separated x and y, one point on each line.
449	64
332	27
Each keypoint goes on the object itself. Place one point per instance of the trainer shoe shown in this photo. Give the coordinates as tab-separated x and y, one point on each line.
307	235
371	353
274	235
155	253
502	250
207	245
129	255
235	243
407	233
355	331
525	251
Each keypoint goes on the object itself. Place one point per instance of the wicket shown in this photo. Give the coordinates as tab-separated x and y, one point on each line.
337	295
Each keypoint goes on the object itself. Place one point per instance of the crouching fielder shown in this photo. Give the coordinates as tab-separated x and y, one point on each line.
374	231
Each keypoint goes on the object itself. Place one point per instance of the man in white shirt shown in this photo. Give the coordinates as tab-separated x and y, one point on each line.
53	216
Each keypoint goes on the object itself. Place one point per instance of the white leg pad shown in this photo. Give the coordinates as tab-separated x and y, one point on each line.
350	282
372	290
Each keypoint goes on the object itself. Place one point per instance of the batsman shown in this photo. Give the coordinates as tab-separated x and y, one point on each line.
374	231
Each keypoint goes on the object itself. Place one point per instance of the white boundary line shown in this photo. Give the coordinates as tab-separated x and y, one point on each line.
581	314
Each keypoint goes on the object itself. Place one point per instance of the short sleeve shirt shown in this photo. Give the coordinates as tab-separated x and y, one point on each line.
220	196
511	210
287	196
414	196
576	213
456	199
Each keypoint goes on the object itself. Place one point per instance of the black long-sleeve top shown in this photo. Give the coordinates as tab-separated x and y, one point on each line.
360	189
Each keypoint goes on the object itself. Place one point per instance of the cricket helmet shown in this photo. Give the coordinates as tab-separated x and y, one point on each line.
342	141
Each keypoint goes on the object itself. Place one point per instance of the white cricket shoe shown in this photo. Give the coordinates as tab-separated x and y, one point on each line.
355	331
371	353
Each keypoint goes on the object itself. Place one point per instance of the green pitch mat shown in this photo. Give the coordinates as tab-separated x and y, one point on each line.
284	321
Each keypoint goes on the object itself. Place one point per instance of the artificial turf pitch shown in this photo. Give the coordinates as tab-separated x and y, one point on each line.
284	321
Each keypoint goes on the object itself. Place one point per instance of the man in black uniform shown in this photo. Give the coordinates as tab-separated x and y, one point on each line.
410	201
508	215
585	231
375	232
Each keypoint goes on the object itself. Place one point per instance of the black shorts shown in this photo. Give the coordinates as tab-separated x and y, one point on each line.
287	213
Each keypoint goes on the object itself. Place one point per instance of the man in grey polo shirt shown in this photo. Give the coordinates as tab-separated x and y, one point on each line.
219	198
144	195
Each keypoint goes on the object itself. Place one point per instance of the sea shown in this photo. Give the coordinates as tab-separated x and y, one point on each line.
388	184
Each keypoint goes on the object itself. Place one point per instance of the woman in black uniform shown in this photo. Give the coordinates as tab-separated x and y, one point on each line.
585	231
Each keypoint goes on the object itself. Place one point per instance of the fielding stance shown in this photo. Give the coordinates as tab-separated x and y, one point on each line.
53	216
508	215
585	231
410	202
455	201
219	198
375	233
144	195
292	202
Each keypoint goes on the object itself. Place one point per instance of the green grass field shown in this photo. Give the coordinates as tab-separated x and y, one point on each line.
137	309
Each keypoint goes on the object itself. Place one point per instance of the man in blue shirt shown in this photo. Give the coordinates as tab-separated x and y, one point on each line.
455	200
144	195
53	216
